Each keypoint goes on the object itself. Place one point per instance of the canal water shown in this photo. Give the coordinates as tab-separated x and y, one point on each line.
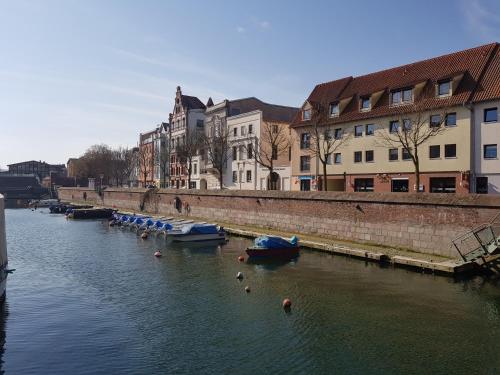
89	299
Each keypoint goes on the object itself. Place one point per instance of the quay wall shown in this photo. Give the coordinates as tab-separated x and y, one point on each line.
423	223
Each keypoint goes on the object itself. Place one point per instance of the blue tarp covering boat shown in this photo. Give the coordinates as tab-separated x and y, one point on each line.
275	242
200	229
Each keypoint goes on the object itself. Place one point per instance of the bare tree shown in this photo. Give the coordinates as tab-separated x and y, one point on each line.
187	150
325	140
144	160
274	141
411	130
122	164
216	146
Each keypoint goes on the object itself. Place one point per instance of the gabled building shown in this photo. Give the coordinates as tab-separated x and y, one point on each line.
186	119
367	108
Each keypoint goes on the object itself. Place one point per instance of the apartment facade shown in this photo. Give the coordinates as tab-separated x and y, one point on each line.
368	110
186	119
486	136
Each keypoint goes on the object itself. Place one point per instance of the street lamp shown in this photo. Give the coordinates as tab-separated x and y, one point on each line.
101	176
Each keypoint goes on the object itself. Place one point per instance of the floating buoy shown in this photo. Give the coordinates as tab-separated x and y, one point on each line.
239	275
157	253
241	258
287	304
144	235
247	289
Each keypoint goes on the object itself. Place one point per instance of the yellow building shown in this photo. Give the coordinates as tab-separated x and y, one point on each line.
379	127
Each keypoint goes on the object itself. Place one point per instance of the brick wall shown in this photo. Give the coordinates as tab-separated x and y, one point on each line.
421	222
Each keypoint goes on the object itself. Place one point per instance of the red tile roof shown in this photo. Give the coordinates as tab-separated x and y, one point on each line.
489	86
470	63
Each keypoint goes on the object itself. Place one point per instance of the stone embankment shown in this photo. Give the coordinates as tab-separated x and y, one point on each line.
421	225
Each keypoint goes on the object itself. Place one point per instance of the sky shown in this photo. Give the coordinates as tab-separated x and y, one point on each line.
78	73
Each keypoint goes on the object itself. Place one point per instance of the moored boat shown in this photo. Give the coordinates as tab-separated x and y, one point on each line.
274	247
197	232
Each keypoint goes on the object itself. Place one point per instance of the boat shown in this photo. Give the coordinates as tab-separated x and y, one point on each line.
3	252
91	213
43	203
196	232
62	208
274	247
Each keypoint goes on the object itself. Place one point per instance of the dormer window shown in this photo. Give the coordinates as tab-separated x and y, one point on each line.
444	88
402	96
365	103
306	114
334	110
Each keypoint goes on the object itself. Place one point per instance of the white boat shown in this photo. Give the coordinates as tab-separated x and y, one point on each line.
3	251
197	232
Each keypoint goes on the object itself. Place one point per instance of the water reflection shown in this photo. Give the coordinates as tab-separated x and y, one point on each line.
272	264
4	313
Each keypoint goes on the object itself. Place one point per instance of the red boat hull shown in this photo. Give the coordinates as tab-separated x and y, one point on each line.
284	252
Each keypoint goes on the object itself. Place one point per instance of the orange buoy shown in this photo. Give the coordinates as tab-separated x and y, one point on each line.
247	289
157	253
144	235
287	304
241	258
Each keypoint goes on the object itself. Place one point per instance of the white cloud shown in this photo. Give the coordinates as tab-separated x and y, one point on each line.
264	24
481	19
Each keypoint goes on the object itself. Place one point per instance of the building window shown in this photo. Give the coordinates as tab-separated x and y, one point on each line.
235	111
242	152
365	103
482	185
358	156
370	129
435	121
369	156
450	151
305	185
442	185
394	126
402	96
450	119
490	151
199	123
235	153
235	131
249	151
328	159
405	154
363	184
338	133
490	115
305	163
358	131
337	158
250	129
407	124
235	176
434	152
243	130
195	168
393	154
274	152
444	88
305	140
306	114
399	185
334	109
289	154
274	129
249	176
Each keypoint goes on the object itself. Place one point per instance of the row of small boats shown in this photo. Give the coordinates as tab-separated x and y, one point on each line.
176	230
189	231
